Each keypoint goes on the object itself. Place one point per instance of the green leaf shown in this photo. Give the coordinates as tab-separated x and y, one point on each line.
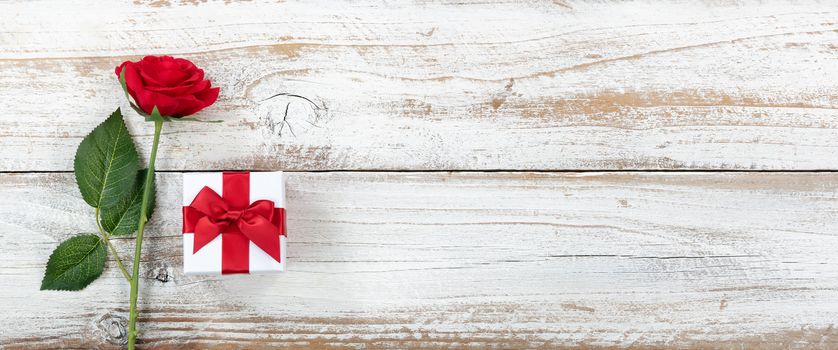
106	163
76	263
122	218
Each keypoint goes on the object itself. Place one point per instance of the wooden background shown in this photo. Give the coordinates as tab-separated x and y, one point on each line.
465	174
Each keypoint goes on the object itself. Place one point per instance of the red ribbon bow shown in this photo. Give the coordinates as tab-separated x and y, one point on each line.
210	215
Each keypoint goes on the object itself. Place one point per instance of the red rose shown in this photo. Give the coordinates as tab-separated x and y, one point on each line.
175	85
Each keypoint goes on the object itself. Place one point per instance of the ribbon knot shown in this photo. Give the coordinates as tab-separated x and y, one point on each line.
210	215
233	215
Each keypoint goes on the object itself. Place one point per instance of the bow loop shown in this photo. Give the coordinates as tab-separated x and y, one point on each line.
209	203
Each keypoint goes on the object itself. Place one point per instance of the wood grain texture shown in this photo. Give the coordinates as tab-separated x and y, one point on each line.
460	260
439	86
439	260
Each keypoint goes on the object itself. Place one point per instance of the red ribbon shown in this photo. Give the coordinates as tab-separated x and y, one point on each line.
237	220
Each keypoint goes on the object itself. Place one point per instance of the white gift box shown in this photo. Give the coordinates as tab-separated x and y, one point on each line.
208	259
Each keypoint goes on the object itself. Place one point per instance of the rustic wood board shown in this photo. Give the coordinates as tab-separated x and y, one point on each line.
439	86
450	260
388	248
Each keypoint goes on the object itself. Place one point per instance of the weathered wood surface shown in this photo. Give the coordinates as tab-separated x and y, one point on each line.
439	86
478	260
381	260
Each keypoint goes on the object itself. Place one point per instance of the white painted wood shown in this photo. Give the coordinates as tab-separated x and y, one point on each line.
449	260
481	260
421	86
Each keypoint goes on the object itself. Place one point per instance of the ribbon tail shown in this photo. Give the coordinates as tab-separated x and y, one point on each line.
205	232
264	234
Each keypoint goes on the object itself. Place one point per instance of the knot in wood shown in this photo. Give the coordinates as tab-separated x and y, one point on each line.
114	328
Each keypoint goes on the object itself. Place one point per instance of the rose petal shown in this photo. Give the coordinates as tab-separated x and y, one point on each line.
204	98
159	76
133	82
182	89
147	100
118	69
188	105
208	97
197	75
185	64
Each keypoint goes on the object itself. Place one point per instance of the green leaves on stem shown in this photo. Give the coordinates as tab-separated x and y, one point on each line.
76	263
122	218
106	163
106	168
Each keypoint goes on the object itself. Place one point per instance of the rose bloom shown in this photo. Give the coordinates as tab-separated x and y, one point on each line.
175	85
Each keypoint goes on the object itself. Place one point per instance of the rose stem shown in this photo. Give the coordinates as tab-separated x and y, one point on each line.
106	238
135	281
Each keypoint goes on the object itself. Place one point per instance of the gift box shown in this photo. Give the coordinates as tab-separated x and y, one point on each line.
233	222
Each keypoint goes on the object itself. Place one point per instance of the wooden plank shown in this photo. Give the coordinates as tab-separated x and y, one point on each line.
472	260
423	86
